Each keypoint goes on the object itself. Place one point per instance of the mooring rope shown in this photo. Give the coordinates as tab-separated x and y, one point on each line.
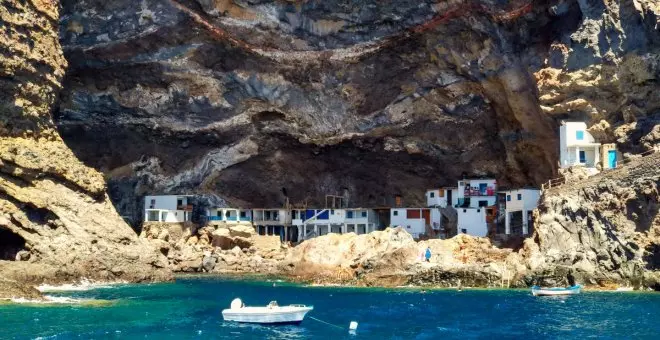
327	323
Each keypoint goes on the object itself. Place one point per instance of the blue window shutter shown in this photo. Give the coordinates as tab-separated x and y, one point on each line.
583	157
519	197
508	198
579	135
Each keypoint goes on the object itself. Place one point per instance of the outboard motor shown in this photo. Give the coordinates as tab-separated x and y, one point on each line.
236	304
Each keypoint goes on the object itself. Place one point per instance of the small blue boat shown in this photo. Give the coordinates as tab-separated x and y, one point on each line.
538	291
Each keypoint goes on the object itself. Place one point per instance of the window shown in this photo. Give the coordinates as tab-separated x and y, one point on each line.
432	194
579	135
364	214
478	210
332	211
464	231
153	216
583	157
441	193
508	198
349	214
464	210
243	214
483	203
396	213
153	203
519	197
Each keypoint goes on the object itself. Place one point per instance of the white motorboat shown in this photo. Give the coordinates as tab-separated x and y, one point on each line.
538	291
271	314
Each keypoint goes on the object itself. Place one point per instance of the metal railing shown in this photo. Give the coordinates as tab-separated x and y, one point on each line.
555	182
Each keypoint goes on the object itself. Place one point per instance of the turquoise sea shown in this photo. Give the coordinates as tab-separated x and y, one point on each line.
190	309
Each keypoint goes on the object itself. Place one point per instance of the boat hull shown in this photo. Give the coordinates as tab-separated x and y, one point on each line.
536	291
264	315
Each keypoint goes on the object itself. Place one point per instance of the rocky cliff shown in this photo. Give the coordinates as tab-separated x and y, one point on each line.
255	101
603	229
56	220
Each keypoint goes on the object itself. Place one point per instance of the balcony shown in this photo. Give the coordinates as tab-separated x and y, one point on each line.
214	218
187	207
475	192
244	219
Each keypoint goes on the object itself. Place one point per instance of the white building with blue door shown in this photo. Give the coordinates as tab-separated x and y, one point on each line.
577	146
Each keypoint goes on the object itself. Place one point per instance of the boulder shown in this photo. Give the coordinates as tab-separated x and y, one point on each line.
208	263
222	239
244	231
228	238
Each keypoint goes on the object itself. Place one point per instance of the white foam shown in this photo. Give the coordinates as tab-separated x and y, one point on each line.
83	285
51	300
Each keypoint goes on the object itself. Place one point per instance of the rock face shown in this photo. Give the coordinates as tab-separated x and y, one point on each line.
172	96
603	229
606	71
216	249
56	221
392	258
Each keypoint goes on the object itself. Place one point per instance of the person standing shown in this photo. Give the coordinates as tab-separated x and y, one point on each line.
427	255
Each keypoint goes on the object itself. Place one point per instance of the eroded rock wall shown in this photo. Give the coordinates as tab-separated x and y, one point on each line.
606	71
602	229
56	221
258	101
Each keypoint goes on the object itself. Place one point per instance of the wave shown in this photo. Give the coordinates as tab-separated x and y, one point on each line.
59	300
83	285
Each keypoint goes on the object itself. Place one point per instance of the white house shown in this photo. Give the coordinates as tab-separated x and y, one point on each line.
167	208
472	221
476	193
518	208
317	222
360	220
271	217
416	221
442	197
577	146
229	215
275	221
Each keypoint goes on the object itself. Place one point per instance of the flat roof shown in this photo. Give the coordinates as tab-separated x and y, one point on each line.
517	189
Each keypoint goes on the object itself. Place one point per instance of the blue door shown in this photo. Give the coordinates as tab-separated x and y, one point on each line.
611	159
583	157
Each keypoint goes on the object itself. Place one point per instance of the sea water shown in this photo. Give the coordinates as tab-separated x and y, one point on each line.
190	308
